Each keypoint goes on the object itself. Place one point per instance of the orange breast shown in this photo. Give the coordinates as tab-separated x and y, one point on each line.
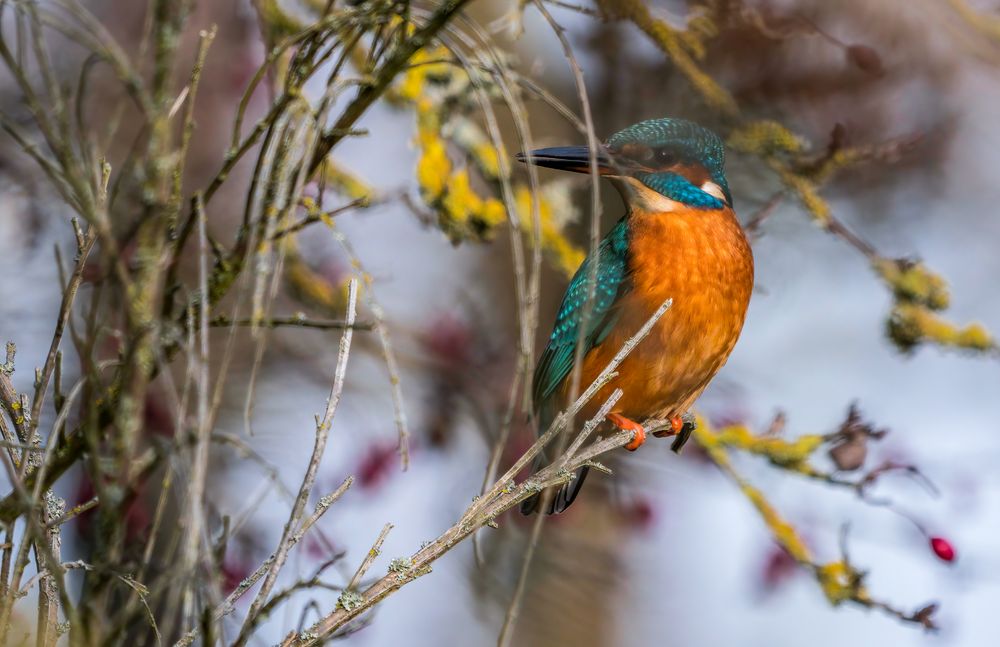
702	261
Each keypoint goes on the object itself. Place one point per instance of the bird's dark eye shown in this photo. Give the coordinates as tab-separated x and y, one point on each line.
665	157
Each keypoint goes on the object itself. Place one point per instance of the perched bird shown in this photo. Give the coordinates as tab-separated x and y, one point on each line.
679	239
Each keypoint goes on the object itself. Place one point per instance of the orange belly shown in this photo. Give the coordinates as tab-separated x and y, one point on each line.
702	261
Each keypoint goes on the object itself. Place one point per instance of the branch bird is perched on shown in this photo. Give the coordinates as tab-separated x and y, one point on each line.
680	240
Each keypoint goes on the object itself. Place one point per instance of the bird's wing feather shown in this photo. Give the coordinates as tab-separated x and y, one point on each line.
557	359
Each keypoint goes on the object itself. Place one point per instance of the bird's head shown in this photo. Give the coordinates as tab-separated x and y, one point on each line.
655	164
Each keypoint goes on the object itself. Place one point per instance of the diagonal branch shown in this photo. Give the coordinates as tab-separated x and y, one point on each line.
503	496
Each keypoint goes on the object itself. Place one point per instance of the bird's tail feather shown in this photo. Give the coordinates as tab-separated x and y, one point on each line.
563	496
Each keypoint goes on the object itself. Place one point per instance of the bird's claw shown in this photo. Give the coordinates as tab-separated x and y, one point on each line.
688	424
623	423
676	426
681	427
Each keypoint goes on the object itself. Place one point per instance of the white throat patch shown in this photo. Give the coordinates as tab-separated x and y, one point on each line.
714	190
647	199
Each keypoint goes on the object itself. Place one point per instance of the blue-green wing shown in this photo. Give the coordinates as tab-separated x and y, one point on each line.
556	361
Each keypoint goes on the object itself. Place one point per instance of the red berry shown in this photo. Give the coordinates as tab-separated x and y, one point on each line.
233	572
639	513
943	549
376	465
779	566
450	340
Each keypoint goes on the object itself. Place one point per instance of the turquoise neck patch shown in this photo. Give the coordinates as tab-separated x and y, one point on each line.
679	189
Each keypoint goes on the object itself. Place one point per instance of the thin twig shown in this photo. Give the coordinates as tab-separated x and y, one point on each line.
85	242
321	216
388	353
366	564
753	225
322	432
296	320
195	535
74	512
229	604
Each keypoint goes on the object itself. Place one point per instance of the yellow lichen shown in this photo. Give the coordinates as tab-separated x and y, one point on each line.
425	65
345	182
488	158
460	201
782	531
911	324
841	582
280	24
463	214
433	165
564	255
985	22
833	162
310	287
764	138
786	453
682	47
493	212
911	281
808	195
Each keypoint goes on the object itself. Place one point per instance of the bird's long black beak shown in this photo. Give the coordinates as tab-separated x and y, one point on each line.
569	158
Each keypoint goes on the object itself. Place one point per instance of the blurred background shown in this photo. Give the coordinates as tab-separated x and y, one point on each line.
668	551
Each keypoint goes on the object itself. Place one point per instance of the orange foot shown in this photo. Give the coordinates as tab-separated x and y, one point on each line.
625	424
676	426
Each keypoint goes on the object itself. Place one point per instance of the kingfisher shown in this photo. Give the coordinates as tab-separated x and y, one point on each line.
679	239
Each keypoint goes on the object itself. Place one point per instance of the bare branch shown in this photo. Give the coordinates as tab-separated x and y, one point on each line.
322	432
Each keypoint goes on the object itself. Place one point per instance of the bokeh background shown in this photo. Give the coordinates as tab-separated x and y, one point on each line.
668	551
